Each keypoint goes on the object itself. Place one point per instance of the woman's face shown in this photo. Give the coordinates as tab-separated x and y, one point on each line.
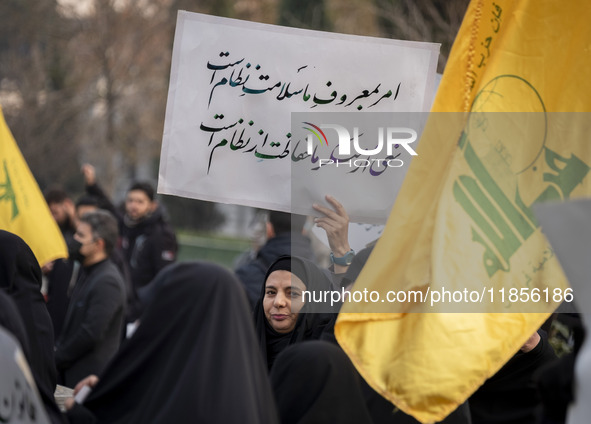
283	300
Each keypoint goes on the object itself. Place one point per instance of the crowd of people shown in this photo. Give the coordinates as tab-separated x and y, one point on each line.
154	340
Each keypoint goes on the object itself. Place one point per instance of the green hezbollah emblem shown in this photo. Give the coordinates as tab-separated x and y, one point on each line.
7	194
499	148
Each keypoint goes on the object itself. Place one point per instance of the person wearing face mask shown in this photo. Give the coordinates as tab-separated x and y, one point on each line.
94	320
148	241
89	203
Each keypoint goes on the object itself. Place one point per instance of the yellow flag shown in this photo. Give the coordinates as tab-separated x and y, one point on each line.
463	220
23	210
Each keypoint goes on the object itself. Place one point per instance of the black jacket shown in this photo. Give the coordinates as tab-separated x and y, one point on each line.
93	325
148	246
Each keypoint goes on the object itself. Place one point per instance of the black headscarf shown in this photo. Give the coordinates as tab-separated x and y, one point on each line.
10	319
194	357
309	326
20	278
315	382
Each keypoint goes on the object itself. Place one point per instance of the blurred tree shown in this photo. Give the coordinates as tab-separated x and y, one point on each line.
427	20
40	103
123	52
192	214
89	84
87	81
309	14
353	17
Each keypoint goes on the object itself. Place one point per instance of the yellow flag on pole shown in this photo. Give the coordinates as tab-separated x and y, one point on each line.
463	222
23	210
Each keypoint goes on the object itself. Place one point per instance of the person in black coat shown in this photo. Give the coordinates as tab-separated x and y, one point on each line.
94	321
148	242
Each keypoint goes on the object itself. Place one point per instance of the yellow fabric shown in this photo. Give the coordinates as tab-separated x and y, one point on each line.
23	210
463	218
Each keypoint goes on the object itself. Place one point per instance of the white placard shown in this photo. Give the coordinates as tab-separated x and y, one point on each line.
234	85
360	235
19	399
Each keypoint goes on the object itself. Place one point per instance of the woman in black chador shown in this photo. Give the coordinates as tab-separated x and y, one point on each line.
20	279
281	316
193	359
